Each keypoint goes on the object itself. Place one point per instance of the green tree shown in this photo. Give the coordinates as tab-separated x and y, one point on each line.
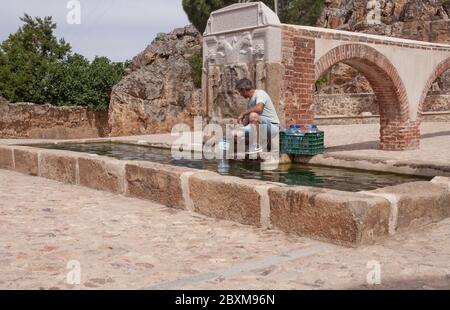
25	58
102	75
198	11
37	67
67	81
300	12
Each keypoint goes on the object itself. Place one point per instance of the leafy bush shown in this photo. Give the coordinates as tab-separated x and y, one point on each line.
323	80
196	61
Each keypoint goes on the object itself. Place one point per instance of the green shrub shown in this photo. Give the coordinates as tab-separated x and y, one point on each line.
196	61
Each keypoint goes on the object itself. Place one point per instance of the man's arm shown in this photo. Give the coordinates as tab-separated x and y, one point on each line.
258	108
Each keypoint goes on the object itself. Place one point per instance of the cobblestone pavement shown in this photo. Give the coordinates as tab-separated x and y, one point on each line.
124	243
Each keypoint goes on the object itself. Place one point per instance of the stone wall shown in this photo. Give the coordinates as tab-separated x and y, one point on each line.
27	120
345	104
436	103
366	105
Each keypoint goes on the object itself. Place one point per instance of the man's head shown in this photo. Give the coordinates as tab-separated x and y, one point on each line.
245	88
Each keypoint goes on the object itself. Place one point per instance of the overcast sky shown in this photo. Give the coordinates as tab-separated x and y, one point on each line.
118	29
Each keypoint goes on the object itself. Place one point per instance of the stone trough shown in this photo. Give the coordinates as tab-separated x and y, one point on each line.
344	218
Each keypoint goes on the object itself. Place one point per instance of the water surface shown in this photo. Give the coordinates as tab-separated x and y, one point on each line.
295	174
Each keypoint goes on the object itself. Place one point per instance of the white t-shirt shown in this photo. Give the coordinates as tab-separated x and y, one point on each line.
269	112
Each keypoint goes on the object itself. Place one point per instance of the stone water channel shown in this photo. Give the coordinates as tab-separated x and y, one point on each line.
342	217
351	180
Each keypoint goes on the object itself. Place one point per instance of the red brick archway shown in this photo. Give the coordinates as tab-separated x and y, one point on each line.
397	132
440	69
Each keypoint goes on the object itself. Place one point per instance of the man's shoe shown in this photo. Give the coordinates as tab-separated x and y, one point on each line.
256	149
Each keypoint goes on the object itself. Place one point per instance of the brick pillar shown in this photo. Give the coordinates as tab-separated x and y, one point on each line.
299	81
399	136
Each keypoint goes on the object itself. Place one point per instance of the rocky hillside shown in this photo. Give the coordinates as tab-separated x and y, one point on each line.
425	20
159	90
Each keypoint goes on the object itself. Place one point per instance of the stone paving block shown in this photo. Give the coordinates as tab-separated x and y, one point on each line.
419	203
339	217
155	182
58	165
102	173
26	160
6	157
223	197
442	181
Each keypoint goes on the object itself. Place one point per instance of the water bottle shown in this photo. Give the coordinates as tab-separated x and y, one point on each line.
224	145
311	128
294	130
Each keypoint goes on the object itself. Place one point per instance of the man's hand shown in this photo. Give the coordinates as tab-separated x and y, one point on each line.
241	118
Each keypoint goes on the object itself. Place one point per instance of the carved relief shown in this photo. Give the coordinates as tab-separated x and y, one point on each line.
259	52
233	50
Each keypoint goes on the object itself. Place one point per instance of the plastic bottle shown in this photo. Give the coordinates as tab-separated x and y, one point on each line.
224	145
311	128
294	130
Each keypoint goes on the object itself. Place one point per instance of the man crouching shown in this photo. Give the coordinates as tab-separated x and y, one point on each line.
260	117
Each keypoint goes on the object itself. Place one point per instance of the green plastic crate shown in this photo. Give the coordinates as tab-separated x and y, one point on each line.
307	144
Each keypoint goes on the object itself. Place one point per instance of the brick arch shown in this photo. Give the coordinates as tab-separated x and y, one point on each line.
437	72
379	71
397	132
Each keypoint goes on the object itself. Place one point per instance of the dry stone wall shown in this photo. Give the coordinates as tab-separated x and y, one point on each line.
27	120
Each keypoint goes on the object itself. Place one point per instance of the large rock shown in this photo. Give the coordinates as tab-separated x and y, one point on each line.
396	17
159	90
343	79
